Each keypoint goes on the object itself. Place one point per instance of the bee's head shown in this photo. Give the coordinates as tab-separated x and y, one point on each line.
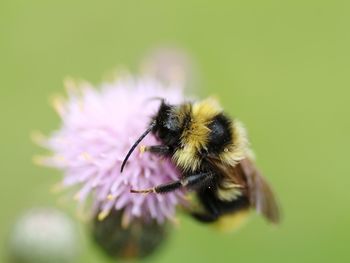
168	125
165	125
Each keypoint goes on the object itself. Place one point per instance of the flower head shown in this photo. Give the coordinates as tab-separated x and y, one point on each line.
134	242
98	128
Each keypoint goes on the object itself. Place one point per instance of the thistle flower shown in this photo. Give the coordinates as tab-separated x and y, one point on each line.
98	128
134	242
170	65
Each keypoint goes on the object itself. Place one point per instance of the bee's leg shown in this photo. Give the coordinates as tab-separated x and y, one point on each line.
157	149
212	211
191	182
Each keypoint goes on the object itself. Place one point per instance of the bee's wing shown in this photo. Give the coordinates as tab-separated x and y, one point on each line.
260	193
253	185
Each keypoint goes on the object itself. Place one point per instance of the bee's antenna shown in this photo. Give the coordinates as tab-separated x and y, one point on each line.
149	129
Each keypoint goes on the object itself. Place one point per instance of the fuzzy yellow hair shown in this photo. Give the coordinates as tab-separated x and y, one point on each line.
195	137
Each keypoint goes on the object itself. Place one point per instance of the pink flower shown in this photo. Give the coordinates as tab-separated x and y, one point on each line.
98	128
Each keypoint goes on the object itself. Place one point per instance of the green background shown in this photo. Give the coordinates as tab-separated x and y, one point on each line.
282	67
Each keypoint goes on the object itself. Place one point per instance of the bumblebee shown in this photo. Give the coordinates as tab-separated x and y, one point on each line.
212	152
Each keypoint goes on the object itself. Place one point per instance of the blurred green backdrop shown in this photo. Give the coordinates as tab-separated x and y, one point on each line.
282	67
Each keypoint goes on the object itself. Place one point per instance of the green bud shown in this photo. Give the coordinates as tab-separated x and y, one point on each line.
43	235
138	240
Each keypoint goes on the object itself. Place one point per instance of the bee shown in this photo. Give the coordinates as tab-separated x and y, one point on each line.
213	155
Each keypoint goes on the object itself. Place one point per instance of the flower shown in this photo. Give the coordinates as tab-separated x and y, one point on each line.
98	128
137	241
170	65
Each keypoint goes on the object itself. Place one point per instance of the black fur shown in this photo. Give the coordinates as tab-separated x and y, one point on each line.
214	207
220	134
167	128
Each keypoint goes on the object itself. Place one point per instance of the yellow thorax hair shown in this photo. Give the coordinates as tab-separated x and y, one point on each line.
203	112
195	137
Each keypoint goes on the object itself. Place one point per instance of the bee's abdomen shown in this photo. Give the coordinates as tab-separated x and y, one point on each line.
241	202
215	205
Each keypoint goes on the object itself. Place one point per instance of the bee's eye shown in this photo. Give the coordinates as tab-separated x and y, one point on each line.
220	134
166	119
167	128
217	131
171	124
